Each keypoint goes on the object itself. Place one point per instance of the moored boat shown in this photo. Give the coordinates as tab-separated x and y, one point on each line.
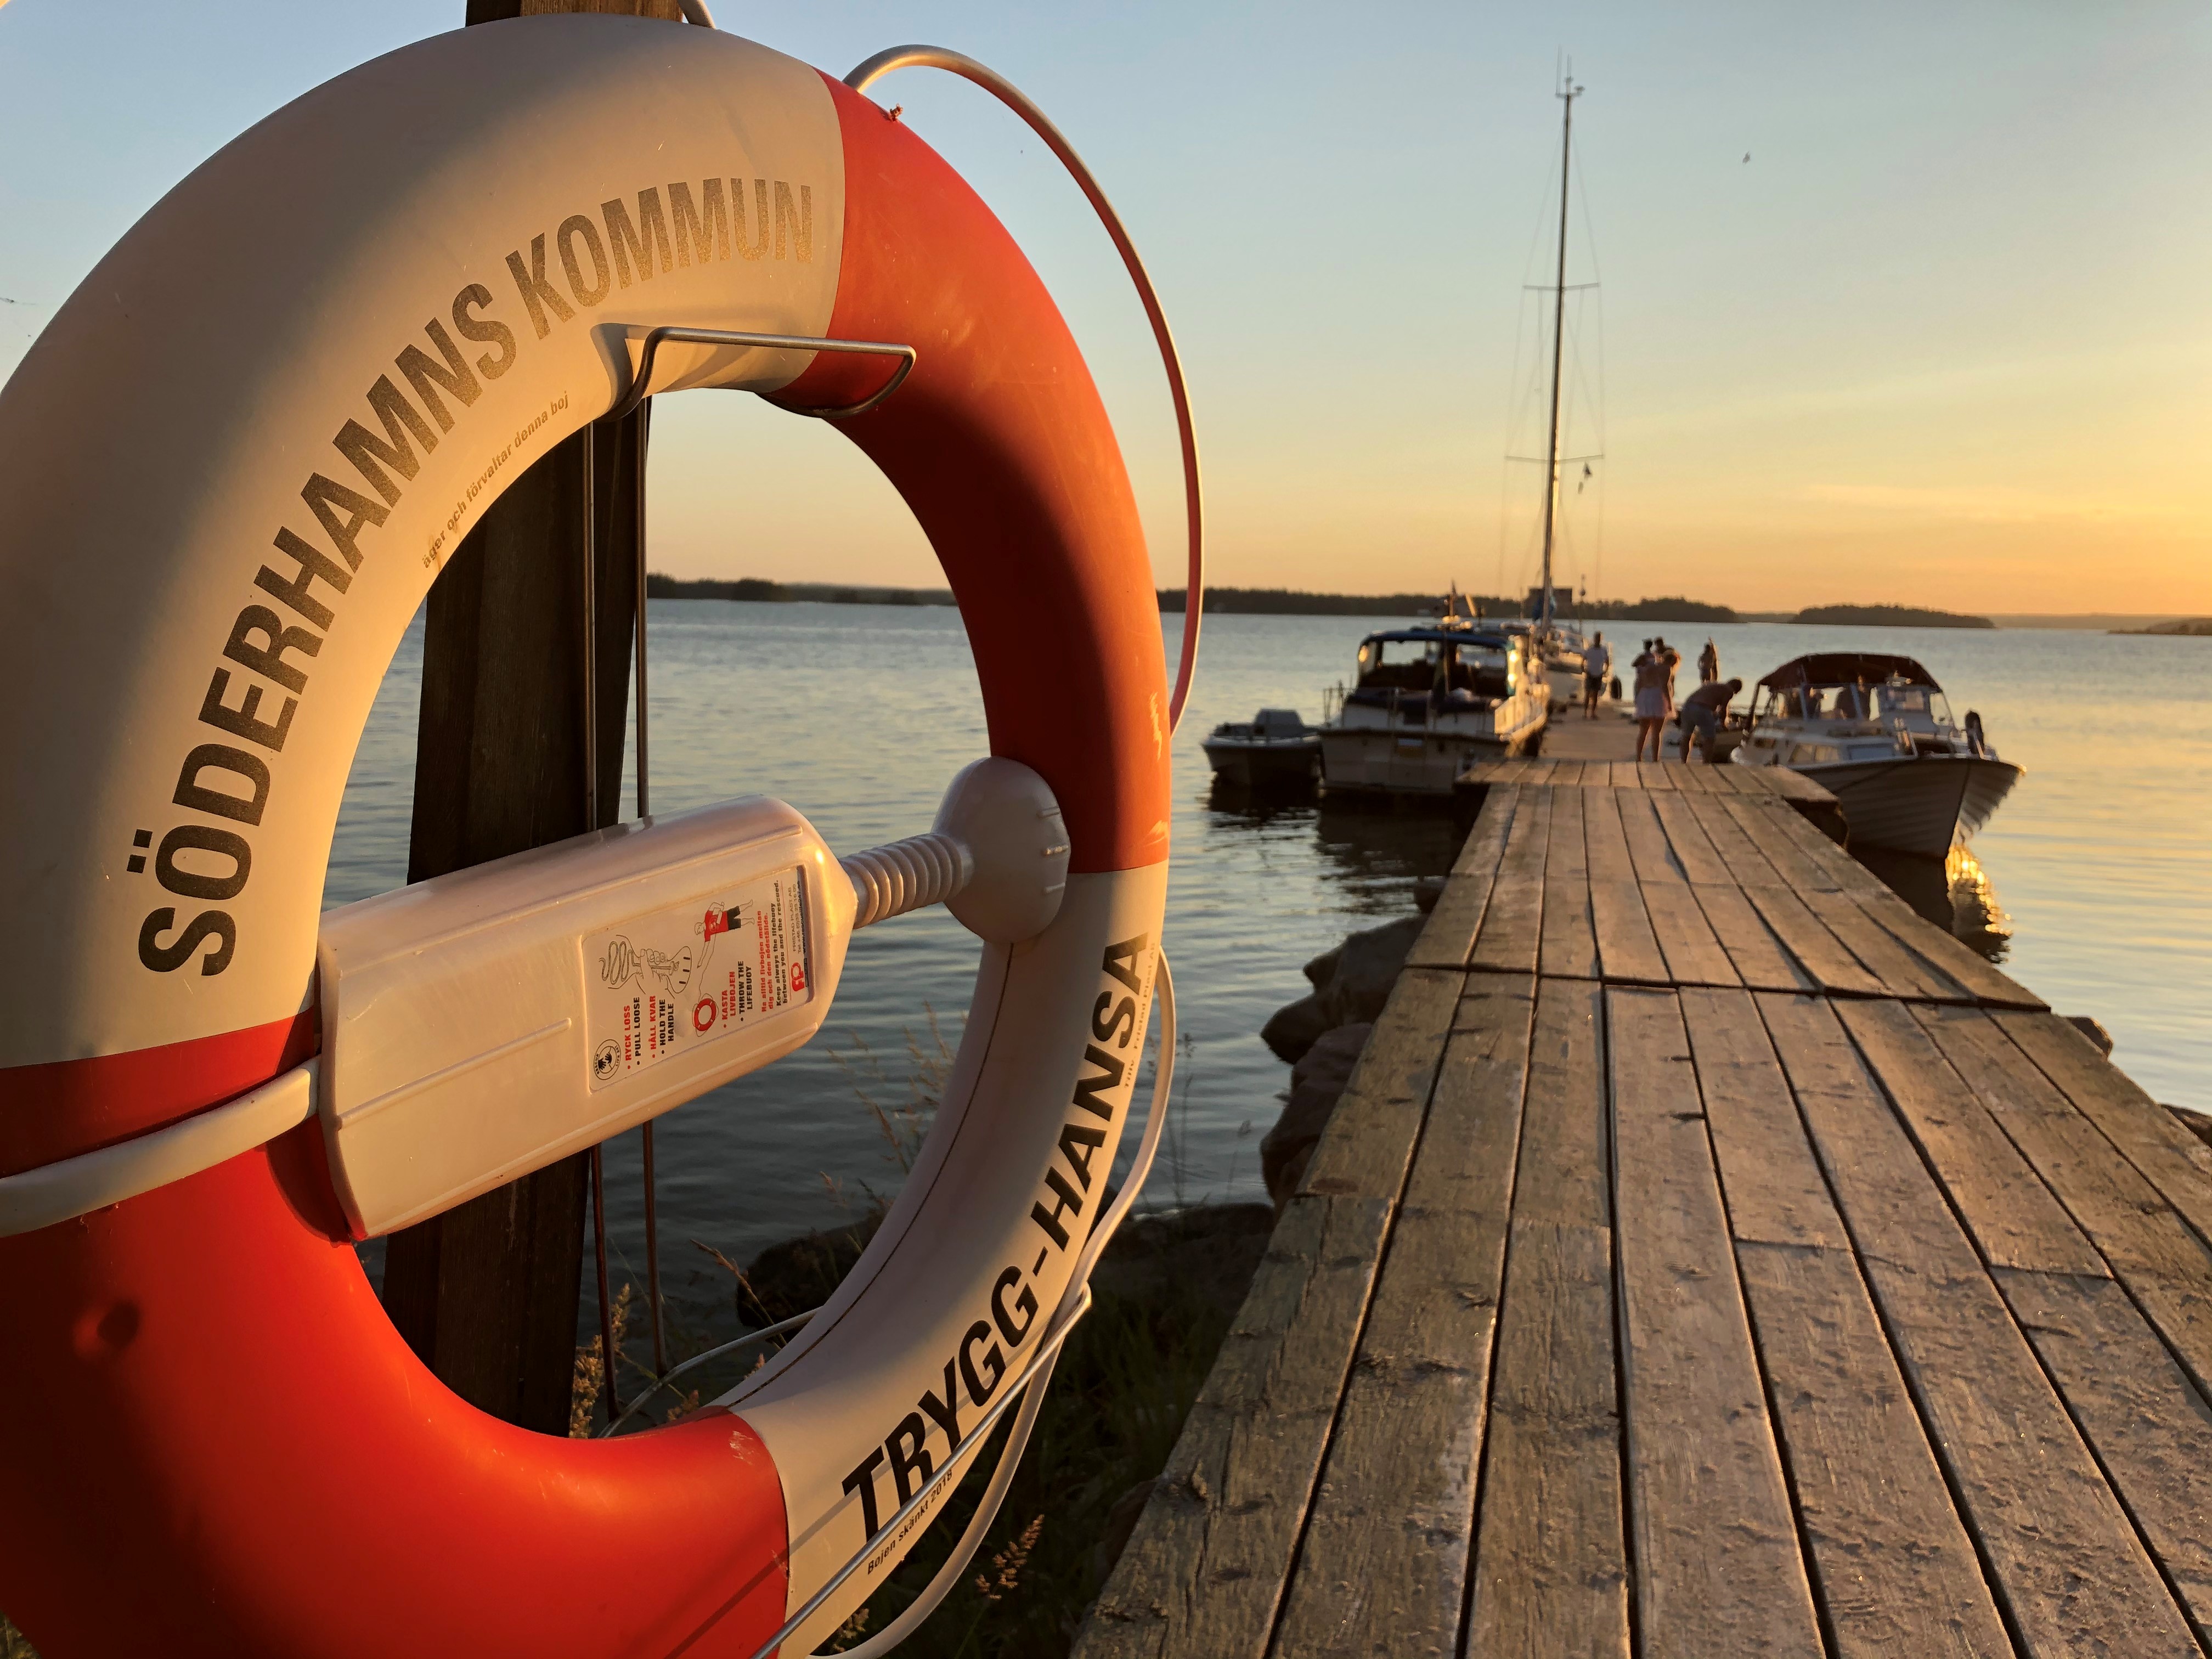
1274	749
1429	702
1877	732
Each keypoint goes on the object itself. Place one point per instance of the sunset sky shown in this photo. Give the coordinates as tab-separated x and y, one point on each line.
1945	338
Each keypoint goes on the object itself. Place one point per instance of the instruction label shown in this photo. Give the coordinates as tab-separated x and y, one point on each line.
692	973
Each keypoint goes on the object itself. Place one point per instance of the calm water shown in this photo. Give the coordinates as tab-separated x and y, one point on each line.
2101	859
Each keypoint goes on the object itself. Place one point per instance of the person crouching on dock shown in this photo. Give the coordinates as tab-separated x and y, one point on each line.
1703	712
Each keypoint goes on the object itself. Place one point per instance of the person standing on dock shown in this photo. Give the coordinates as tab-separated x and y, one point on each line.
1651	697
1703	712
1708	663
1597	663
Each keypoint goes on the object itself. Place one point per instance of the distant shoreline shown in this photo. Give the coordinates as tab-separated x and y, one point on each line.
2182	627
1255	601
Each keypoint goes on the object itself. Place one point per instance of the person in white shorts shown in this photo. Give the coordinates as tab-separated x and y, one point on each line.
1652	700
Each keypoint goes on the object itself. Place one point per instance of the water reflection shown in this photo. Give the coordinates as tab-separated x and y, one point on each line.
1254	805
1379	856
1954	893
1374	853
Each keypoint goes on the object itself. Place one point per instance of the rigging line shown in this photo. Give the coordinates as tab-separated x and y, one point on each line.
1591	403
598	1179
643	429
1597	272
1589	229
1512	426
1528	266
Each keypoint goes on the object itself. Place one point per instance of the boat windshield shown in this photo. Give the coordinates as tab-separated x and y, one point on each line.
1411	663
1469	665
1918	708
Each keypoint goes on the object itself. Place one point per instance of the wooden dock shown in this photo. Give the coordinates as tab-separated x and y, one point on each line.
1708	1258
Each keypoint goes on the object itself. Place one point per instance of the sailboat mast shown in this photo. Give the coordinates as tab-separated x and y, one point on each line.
1559	341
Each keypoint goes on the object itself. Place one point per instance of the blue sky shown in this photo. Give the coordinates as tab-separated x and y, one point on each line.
1945	338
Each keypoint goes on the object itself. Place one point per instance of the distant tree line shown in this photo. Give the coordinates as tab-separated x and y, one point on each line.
1674	610
1292	602
1888	616
1296	602
2193	627
752	589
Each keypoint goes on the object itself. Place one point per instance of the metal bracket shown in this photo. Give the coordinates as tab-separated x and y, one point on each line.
653	336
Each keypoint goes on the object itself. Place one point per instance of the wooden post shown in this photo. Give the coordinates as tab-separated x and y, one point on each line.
487	1293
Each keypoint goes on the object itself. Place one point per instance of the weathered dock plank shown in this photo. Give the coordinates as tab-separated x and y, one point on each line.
1896	1571
1449	938
1770	830
1570	938
1899	972
1718	1570
1205	1572
1809	941
1692	950
1693	849
1512	927
1551	1568
1383	1568
2149	1422
2014	1219
1627	948
2174	1161
1895	1568
2146	1243
1648	851
2073	1574
1755	949
1708	1257
1747	863
1973	973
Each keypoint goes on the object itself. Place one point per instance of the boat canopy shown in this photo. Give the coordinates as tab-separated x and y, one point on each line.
1444	635
1848	668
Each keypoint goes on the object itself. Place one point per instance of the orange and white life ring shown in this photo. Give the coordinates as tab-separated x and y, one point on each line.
233	463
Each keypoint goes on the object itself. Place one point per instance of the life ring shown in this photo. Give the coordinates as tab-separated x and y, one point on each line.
233	463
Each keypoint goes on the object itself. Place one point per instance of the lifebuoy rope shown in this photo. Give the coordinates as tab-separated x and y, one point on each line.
1035	1378
865	74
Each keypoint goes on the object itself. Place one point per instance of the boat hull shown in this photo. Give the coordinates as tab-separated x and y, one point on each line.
1565	685
1925	805
1265	766
1401	761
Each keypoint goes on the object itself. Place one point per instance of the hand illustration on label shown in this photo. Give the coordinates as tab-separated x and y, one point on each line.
624	963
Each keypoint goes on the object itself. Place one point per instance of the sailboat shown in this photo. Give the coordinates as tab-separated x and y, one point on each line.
1554	647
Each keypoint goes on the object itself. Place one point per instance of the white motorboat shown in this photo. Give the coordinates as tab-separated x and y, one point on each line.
1426	704
1274	749
1877	732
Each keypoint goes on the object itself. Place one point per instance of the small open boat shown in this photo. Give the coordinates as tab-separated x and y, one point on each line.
1877	732
1274	749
